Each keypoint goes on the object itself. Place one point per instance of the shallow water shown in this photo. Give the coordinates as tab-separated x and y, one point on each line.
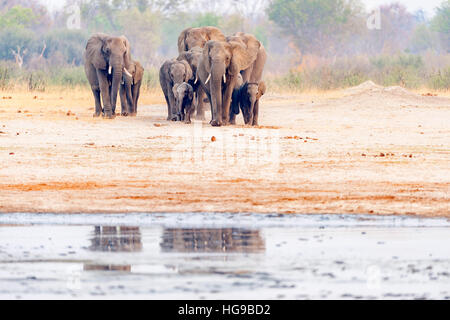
230	256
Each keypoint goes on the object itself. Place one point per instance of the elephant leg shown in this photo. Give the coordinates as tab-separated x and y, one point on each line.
123	99
98	103
189	111
91	74
168	105
200	112
232	118
172	106
136	93
255	113
129	98
105	92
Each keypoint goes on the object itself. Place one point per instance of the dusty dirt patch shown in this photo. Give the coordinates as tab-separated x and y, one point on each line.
363	150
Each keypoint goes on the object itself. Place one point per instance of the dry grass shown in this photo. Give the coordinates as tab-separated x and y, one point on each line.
81	97
63	97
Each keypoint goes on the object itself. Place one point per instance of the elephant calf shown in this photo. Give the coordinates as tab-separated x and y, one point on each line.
247	99
173	72
184	96
129	95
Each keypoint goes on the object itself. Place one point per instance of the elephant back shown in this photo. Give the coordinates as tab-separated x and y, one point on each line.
197	37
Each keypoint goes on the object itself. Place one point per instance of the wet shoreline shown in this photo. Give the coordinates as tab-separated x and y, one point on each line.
223	219
223	256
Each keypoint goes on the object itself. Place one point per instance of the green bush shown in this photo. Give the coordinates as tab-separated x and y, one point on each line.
68	76
440	80
151	78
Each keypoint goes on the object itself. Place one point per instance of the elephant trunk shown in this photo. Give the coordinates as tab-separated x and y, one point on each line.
217	73
116	80
251	111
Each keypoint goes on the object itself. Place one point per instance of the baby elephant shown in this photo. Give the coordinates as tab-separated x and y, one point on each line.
247	99
129	100
184	96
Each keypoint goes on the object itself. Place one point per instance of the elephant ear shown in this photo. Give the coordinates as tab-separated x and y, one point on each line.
94	50
189	75
191	93
242	57
139	75
127	57
205	55
182	40
261	90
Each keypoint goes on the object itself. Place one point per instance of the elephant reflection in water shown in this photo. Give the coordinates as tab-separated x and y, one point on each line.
230	240
114	239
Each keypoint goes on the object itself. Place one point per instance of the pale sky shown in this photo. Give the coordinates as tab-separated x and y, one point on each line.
412	5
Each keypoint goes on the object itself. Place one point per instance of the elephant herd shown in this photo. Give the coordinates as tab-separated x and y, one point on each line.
225	70
108	65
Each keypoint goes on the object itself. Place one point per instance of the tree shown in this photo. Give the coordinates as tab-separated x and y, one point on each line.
142	30
422	39
67	43
316	26
441	24
397	28
13	38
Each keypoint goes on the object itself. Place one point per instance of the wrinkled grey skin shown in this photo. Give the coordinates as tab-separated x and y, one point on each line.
220	65
197	37
192	57
104	53
234	108
190	44
129	95
184	96
173	72
247	99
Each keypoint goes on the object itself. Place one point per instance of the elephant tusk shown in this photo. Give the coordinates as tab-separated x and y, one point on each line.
207	80
110	69
224	78
196	79
127	73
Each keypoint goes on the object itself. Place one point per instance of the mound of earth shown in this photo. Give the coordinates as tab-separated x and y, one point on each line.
371	95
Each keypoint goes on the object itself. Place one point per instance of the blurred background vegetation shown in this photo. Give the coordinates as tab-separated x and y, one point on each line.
312	44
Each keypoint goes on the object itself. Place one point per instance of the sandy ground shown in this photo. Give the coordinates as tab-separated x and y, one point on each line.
363	150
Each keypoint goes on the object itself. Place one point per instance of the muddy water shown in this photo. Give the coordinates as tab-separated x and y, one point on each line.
230	256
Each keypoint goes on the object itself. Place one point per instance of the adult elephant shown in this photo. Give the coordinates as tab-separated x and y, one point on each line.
197	37
106	59
190	43
171	73
220	65
192	57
